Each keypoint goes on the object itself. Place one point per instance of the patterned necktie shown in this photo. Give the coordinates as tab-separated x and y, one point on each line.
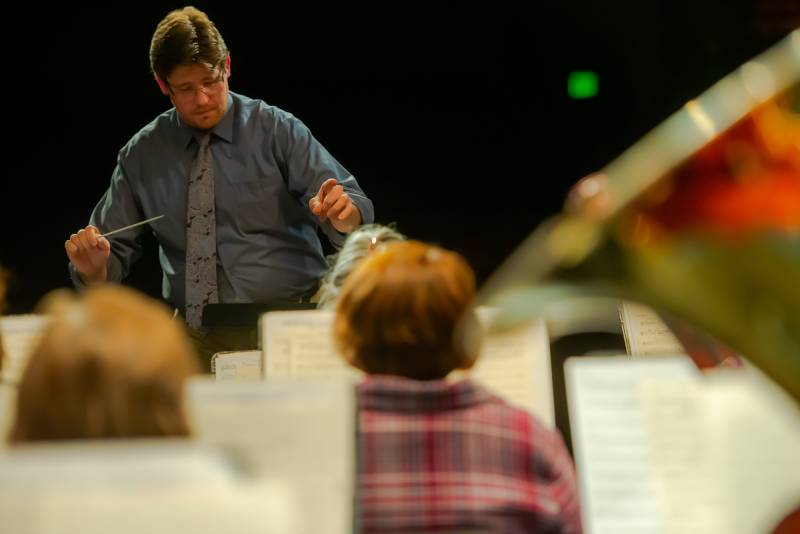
201	236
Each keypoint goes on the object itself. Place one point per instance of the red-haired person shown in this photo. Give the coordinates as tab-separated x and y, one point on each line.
437	454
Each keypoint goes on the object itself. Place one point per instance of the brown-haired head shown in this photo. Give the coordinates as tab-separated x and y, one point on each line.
406	310
186	36
111	363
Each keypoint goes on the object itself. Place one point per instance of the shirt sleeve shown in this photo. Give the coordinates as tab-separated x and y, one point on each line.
309	164
117	208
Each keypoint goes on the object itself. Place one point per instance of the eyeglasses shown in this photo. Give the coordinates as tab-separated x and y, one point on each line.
187	92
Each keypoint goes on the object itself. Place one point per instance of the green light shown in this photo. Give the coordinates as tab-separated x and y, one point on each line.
582	84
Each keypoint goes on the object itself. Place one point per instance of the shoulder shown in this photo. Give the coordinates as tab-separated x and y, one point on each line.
159	134
255	112
525	426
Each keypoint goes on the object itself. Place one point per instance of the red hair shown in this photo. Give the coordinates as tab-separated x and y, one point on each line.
407	310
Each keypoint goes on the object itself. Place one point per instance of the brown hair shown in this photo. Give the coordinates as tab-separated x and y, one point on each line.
110	364
183	37
407	310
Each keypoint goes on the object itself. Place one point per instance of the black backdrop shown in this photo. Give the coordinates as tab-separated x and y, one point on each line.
455	120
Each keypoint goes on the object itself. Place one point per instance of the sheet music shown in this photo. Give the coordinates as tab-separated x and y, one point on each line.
250	509
515	365
300	344
20	335
724	452
298	433
675	418
305	411
610	440
237	365
133	486
645	333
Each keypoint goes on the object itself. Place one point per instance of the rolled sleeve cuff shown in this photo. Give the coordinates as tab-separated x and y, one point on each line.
114	273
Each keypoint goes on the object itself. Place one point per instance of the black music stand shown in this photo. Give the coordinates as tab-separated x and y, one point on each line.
247	314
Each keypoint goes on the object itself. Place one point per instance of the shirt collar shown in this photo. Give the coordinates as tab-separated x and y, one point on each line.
222	130
398	394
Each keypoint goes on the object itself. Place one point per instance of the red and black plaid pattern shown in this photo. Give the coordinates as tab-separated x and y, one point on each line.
441	456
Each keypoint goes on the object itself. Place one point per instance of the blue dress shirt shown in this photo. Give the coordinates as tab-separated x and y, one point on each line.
267	166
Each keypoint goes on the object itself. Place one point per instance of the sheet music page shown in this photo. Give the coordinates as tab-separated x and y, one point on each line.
247	509
724	452
133	486
238	365
298	432
300	344
116	463
645	333
516	366
20	335
675	417
308	412
610	439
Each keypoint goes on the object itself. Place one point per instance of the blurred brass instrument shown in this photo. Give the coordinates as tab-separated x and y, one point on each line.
700	220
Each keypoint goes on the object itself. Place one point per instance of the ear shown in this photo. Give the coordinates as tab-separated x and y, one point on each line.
228	67
162	85
468	339
467	364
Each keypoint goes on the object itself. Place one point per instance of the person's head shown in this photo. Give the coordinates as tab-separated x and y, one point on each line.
358	244
407	310
111	364
191	64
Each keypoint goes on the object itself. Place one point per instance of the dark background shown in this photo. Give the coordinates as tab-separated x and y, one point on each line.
455	120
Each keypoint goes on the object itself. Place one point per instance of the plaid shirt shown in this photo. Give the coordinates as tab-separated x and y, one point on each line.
442	456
